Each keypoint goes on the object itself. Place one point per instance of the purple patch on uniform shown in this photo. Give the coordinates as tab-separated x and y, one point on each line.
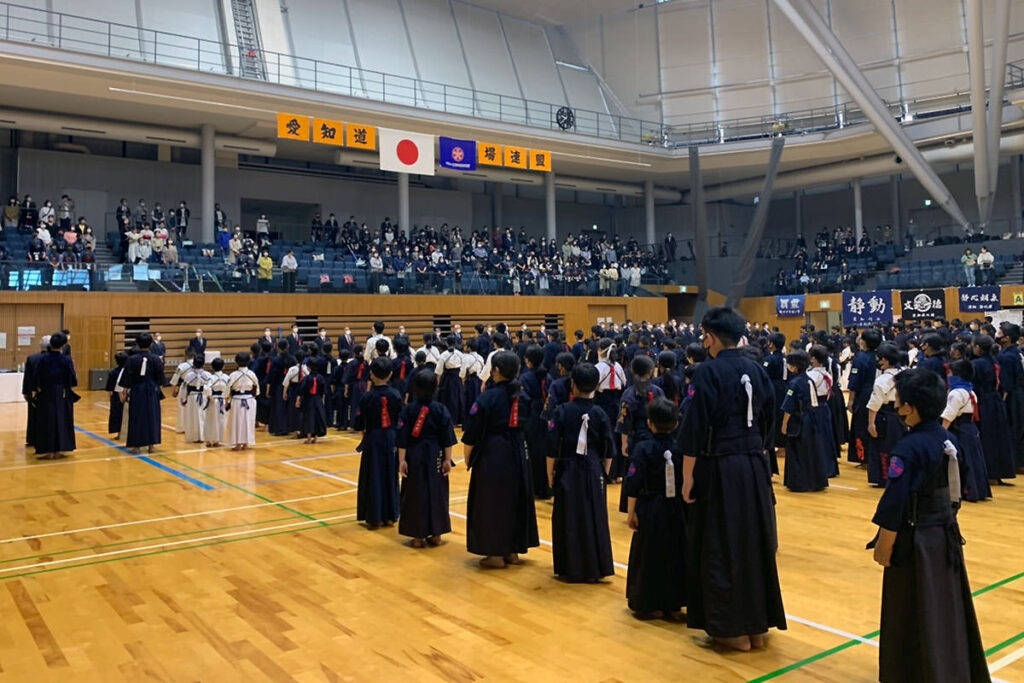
632	470
551	425
475	409
895	467
401	424
691	390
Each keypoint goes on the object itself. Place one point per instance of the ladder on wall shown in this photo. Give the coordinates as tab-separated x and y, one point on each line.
247	33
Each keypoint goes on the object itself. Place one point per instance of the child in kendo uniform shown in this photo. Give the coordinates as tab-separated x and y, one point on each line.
425	439
243	388
292	379
116	405
534	382
215	414
632	423
501	520
656	580
356	380
340	409
472	366
377	500
807	440
192	383
961	418
176	379
929	631
579	451
560	389
312	393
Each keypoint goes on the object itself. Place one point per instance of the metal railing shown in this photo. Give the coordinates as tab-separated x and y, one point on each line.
82	34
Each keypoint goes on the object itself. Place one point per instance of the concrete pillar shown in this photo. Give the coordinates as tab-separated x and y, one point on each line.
498	206
894	205
858	211
798	212
208	161
649	211
1015	219
549	205
403	203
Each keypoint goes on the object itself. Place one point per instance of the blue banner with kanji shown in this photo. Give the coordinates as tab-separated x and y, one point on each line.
789	306
979	299
862	309
459	155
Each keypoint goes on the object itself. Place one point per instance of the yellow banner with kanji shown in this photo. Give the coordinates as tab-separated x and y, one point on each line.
327	132
540	160
516	157
361	137
293	127
488	154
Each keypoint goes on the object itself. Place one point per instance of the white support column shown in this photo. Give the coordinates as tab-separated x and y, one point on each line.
649	211
976	59
403	203
858	211
208	161
549	205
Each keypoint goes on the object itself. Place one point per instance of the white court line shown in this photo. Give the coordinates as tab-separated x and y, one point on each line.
1006	661
845	488
311	522
316	456
265	444
181	516
319	473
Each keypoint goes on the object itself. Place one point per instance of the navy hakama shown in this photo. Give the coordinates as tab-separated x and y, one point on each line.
889	428
144	375
424	432
993	424
55	410
116	406
449	394
314	412
808	438
580	539
656	580
501	519
632	421
278	419
377	501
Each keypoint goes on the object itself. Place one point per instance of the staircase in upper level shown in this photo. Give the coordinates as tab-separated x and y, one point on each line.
247	34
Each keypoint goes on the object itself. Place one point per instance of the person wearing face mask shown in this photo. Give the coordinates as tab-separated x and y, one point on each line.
929	630
883	425
1011	383
734	594
862	378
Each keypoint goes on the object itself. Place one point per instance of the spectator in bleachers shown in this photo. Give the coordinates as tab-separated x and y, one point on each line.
43	233
145	243
141	214
46	212
969	261
158	243
331	229
985	262
134	237
289	267
11	215
88	239
235	245
28	215
181	218
265	271
157	215
220	218
263	228
316	229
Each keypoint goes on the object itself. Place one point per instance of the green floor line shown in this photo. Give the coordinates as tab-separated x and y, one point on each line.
72	493
165	551
851	643
1005	644
238	488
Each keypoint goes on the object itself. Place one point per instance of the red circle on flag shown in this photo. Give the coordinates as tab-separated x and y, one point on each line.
408	152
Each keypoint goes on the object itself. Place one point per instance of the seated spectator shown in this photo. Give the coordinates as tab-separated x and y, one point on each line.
170	253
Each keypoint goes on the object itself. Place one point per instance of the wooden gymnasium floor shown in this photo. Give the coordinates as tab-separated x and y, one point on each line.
209	565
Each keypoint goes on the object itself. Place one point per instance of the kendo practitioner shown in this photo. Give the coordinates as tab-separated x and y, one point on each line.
656	580
472	366
733	588
609	393
261	367
534	383
278	414
401	366
340	408
559	389
1011	381
501	519
116	406
425	439
631	425
53	390
777	367
356	379
961	418
822	383
862	379
883	424
449	367
667	380
377	500
993	425
579	453
143	377
935	356
802	424
310	399
28	383
929	631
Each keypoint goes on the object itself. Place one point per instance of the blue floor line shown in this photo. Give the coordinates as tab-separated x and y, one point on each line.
149	461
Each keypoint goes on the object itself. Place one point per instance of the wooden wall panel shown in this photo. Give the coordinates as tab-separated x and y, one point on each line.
89	315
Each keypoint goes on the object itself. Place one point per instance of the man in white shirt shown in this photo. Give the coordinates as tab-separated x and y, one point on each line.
289	267
370	351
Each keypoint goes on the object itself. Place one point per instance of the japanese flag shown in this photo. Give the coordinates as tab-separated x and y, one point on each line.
402	152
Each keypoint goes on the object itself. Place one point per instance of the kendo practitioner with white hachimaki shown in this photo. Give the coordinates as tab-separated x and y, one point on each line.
143	377
929	630
733	588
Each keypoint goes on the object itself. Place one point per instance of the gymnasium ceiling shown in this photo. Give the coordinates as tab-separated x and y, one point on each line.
558	12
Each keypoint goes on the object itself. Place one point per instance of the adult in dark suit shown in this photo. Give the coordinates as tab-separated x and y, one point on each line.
158	348
345	341
28	384
197	343
268	337
402	335
67	344
321	338
294	341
